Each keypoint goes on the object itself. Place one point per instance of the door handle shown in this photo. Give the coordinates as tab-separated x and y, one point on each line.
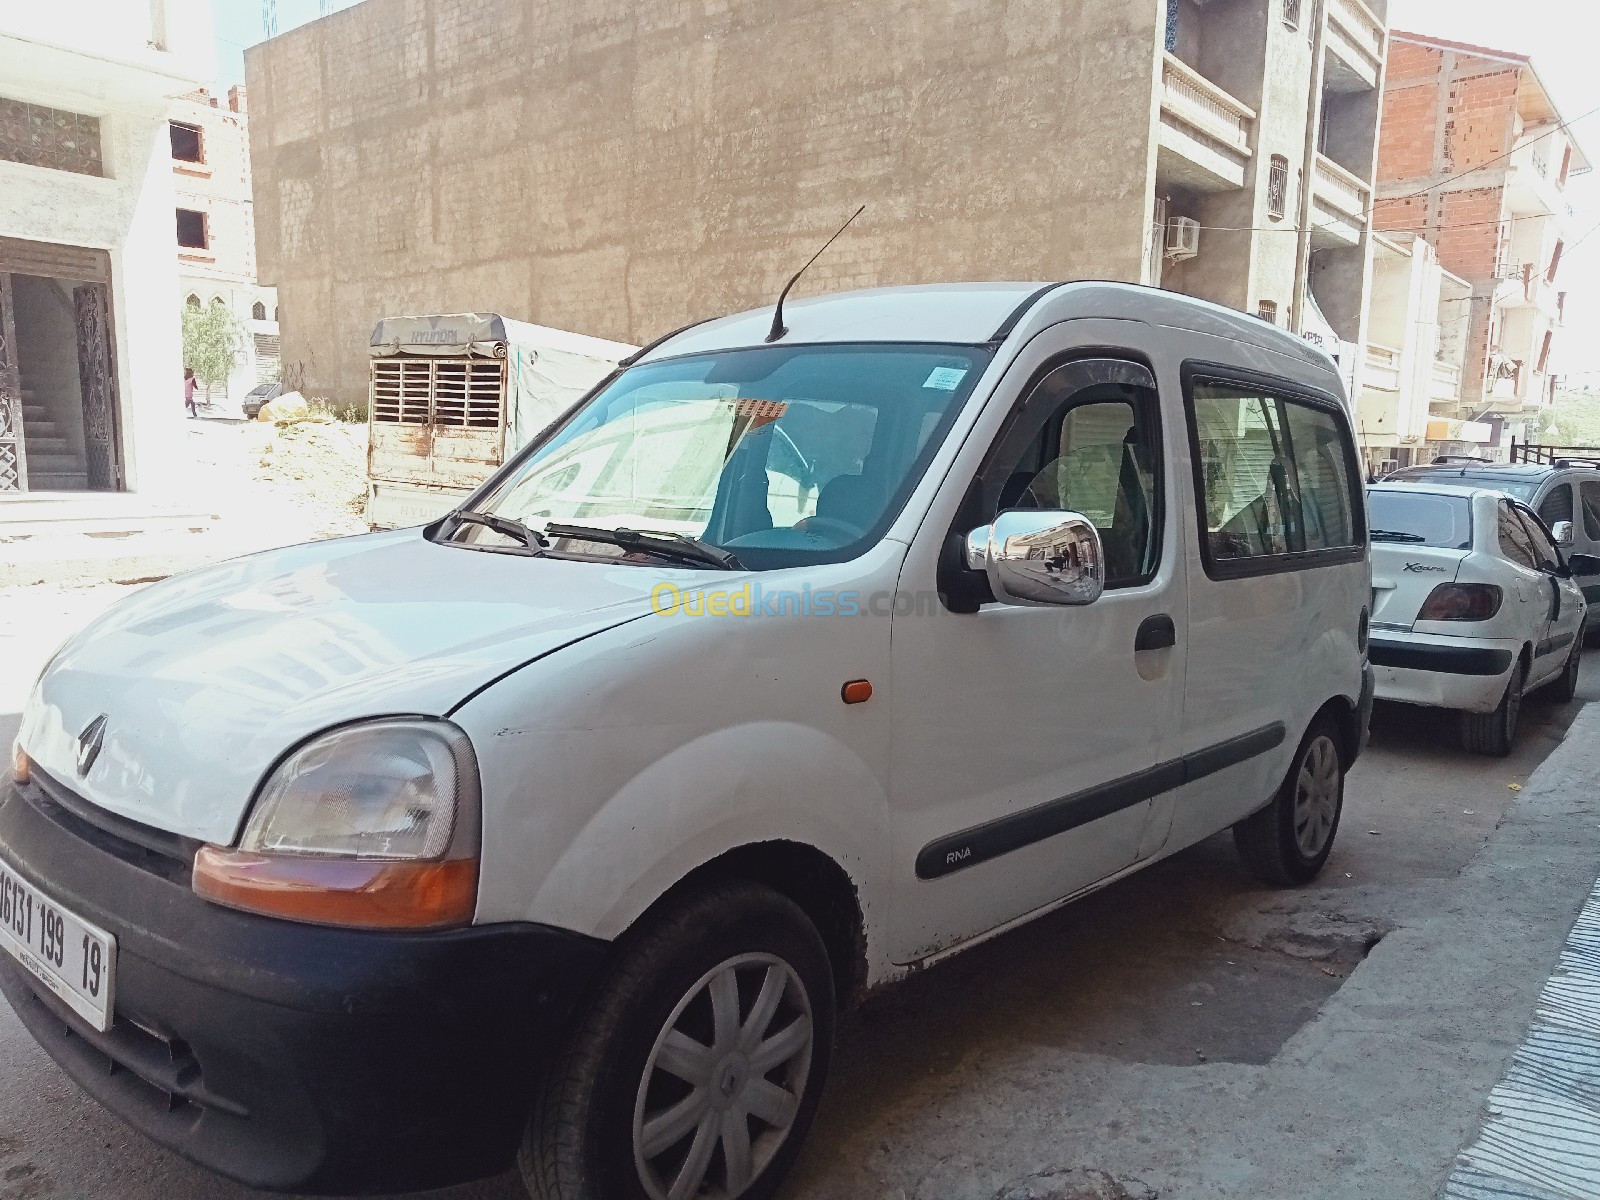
1156	633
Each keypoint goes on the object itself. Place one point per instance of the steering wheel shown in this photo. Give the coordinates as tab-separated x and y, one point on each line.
845	531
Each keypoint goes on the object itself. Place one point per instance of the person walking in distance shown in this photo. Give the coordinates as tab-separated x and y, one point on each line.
190	383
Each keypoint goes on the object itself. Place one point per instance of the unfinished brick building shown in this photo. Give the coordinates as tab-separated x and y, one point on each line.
1475	158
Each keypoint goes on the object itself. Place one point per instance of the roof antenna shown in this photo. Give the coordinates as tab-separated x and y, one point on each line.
778	327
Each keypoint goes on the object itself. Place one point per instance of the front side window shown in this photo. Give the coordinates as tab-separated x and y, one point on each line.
1515	543
1086	440
780	455
1276	480
1589	498
1544	547
1557	505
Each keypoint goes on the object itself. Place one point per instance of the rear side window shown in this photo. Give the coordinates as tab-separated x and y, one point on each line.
1589	494
1275	480
1515	543
1557	506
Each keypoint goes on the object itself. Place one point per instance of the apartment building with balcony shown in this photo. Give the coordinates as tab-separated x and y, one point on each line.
90	373
1417	318
1475	158
1266	149
619	167
216	234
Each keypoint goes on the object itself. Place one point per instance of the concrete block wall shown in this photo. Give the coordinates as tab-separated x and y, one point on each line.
619	167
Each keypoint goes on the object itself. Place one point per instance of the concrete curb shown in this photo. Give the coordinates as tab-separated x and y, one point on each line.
1402	1058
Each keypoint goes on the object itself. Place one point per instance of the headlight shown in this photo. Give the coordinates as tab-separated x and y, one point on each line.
372	825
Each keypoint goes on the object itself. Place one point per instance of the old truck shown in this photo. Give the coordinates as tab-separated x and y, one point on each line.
452	396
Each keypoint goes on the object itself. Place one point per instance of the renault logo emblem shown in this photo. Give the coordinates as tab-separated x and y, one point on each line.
89	742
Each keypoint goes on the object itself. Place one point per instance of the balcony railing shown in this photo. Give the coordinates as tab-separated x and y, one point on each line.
1195	100
1382	368
1342	202
1445	385
1356	27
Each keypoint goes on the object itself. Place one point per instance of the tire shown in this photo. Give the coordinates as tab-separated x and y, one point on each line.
1494	733
733	948
1288	841
1564	688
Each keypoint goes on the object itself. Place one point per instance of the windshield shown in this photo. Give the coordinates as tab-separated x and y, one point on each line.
781	455
1421	519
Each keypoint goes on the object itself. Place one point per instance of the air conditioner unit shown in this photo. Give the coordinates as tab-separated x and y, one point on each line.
1183	238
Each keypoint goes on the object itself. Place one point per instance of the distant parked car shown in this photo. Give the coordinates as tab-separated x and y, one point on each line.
258	396
1568	491
1473	605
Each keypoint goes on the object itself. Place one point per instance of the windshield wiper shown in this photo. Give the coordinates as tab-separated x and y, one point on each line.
1393	535
667	545
531	539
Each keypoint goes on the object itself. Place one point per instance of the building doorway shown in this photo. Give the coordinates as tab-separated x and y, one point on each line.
59	416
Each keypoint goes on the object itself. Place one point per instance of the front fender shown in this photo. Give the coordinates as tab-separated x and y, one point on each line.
617	766
738	786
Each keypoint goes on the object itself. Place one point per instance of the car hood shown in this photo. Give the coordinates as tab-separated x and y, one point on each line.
205	680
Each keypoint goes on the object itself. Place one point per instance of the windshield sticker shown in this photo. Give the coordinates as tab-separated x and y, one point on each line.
945	379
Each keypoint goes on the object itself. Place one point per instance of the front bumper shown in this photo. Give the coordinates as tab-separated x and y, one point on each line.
292	1057
1469	674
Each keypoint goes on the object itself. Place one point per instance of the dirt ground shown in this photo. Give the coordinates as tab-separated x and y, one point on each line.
309	477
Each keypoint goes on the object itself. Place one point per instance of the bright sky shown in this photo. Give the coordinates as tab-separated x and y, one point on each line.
1561	35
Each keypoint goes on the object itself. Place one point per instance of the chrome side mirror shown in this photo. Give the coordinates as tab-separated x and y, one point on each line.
1037	558
1562	532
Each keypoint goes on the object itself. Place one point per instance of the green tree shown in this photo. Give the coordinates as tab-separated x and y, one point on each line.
211	336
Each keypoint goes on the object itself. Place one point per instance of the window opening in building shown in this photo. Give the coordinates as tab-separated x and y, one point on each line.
187	142
192	229
1278	187
1544	352
1555	262
193	301
1172	26
1291	13
1267	310
258	311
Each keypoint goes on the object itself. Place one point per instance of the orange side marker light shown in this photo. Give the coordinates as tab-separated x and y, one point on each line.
857	691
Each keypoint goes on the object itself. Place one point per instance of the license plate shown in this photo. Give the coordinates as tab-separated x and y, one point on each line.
75	960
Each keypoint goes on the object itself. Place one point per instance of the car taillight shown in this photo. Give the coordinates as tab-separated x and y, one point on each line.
1461	602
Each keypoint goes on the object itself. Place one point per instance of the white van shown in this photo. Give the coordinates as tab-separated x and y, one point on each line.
802	654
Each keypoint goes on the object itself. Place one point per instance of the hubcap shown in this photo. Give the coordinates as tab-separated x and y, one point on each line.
1316	796
724	1081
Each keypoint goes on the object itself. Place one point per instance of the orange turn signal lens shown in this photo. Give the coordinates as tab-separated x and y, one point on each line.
21	767
355	893
857	691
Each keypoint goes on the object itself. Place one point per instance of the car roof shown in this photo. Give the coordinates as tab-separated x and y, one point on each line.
1435	489
976	314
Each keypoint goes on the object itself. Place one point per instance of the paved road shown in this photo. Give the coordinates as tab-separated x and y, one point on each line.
1130	1041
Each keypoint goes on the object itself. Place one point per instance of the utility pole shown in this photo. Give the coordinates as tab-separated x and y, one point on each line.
269	18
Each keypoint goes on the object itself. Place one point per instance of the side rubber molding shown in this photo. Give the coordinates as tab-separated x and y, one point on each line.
1005	834
1448	660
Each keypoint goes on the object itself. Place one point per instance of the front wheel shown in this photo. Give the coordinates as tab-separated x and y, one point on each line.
1287	842
1494	733
697	1067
